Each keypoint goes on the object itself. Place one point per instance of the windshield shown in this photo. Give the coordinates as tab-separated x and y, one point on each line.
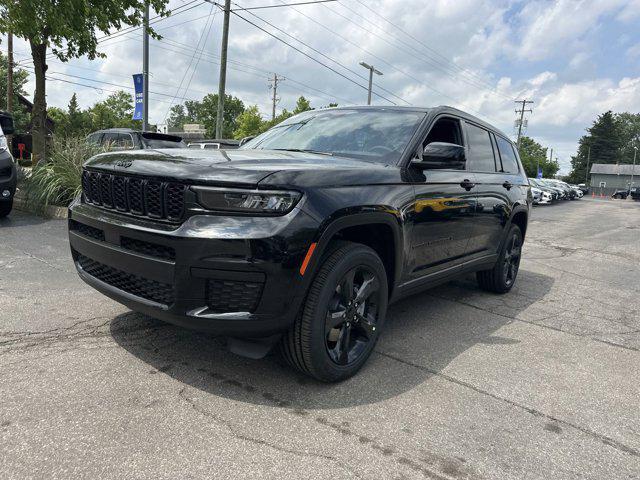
377	135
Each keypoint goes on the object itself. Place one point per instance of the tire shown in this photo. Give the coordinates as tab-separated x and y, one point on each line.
502	277
313	344
5	208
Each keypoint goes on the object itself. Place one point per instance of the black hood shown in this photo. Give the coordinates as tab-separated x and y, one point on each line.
232	167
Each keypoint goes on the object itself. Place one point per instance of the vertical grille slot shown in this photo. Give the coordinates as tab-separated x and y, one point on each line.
137	196
94	188
120	194
153	199
104	183
175	200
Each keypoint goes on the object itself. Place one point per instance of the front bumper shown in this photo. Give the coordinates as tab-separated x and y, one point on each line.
8	175
234	276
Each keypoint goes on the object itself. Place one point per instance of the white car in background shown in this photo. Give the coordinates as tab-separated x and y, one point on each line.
541	197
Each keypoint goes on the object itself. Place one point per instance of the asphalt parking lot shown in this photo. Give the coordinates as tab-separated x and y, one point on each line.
540	383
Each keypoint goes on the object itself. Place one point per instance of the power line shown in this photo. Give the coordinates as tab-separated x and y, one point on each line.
311	58
444	65
324	55
186	71
285	5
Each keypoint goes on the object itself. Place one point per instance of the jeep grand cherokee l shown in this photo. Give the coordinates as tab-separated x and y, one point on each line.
305	234
8	177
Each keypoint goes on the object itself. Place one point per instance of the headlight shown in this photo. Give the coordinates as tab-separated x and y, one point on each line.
247	201
3	143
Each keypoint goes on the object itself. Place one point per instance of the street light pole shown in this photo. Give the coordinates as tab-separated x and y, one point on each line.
635	152
372	70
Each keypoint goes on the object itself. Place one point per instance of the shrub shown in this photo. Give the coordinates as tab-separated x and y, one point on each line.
58	180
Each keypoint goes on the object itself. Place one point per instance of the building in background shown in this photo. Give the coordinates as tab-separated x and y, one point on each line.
607	178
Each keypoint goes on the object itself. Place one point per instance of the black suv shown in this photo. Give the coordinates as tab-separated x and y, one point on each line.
8	177
307	232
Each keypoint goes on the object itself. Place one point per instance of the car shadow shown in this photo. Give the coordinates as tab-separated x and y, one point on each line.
423	335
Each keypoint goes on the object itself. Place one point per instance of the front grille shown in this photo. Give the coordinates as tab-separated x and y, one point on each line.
87	230
137	196
128	282
5	172
233	296
148	248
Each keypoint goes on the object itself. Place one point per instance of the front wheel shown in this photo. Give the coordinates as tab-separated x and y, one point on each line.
5	208
501	278
342	317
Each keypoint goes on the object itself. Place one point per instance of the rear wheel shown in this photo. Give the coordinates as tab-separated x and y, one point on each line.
342	317
502	277
5	208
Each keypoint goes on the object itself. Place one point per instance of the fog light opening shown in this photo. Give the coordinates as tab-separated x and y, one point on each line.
6	194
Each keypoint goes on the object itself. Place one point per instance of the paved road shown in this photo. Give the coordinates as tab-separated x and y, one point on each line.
541	383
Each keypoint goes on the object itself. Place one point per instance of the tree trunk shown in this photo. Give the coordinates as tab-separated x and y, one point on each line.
39	112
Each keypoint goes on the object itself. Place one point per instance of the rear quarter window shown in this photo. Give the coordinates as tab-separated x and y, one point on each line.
481	157
507	155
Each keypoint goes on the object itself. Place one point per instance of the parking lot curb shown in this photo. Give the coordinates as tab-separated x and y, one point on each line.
50	211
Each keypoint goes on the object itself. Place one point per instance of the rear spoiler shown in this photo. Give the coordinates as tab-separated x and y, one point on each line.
161	136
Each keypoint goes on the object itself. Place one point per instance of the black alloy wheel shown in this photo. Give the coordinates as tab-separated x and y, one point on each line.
511	258
342	316
352	316
502	277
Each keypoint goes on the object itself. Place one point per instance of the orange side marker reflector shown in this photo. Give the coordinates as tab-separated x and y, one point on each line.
307	258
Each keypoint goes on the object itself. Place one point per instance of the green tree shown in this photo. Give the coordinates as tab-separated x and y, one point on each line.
205	111
533	155
302	105
601	144
70	28
61	119
249	123
78	120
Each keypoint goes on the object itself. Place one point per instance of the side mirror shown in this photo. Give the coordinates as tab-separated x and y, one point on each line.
6	123
441	155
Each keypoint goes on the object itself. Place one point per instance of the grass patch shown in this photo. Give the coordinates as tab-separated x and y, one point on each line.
58	180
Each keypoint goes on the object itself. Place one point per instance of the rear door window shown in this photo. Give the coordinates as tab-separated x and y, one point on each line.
110	139
507	155
481	157
125	141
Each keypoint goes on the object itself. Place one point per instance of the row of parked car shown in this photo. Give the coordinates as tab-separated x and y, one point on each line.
549	190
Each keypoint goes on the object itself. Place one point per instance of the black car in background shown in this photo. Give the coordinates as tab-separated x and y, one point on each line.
305	234
8	176
128	139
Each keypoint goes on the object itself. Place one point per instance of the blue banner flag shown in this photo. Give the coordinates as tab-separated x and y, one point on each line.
139	89
539	173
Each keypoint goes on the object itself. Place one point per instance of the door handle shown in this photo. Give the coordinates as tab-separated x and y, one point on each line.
507	185
467	184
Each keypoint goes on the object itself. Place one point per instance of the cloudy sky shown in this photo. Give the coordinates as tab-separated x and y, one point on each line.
573	58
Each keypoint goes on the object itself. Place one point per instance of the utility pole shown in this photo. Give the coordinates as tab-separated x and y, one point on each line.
372	70
521	112
275	81
635	152
9	80
145	70
586	173
223	68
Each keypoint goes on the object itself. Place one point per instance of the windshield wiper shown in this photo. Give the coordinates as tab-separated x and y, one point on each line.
303	150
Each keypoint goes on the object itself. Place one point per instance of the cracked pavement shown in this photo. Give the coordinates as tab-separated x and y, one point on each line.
540	383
